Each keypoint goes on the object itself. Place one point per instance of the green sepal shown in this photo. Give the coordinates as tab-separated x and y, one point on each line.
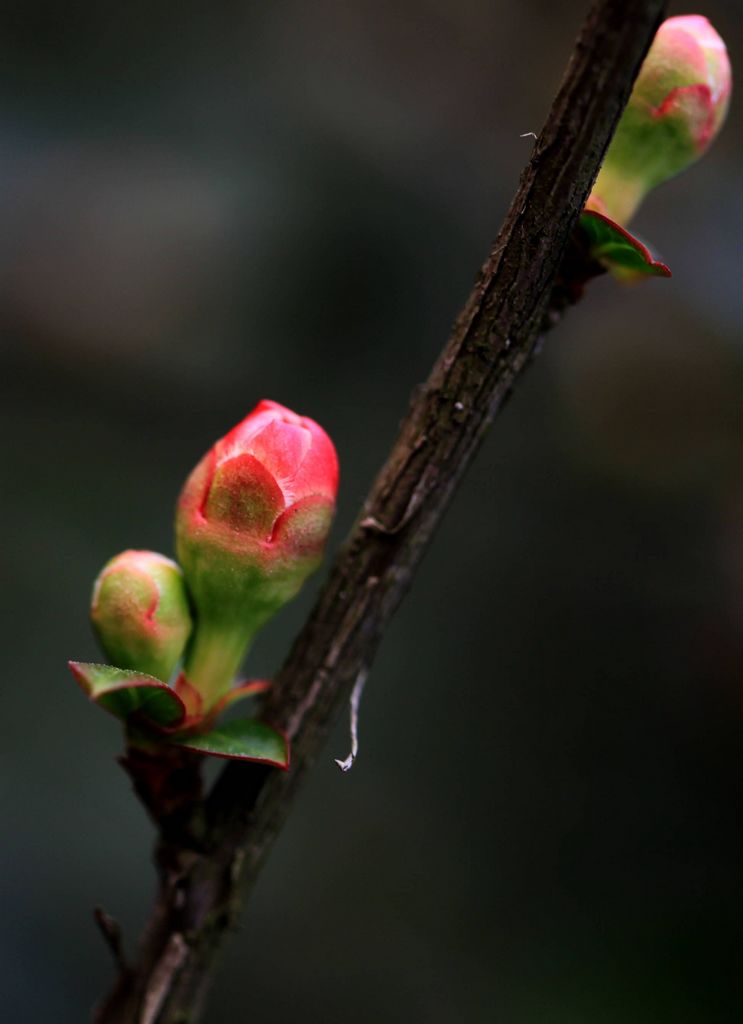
242	740
623	255
124	693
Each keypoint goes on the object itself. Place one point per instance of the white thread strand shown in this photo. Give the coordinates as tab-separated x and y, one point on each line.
358	688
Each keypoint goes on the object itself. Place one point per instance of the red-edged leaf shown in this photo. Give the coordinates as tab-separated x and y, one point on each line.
240	692
125	693
190	696
243	740
623	255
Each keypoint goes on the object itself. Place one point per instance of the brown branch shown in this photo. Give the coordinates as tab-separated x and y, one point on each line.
519	291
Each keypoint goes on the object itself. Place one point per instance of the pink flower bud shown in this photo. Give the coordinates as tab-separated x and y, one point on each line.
676	109
251	525
140	612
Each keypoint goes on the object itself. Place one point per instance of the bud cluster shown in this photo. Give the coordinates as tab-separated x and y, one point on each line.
251	524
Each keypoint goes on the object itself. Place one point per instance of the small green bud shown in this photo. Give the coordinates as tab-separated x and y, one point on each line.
676	109
140	613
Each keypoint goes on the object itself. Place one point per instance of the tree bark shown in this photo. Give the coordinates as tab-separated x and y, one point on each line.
216	851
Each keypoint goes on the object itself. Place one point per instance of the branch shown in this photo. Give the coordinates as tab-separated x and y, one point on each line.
521	289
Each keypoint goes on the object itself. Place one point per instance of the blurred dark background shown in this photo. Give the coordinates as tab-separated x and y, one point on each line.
204	205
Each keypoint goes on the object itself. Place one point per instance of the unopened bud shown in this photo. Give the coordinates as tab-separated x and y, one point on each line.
676	109
140	612
251	525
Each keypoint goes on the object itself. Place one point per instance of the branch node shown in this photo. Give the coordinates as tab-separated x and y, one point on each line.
111	932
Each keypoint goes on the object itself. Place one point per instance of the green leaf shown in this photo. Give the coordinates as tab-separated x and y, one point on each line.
243	740
623	255
125	693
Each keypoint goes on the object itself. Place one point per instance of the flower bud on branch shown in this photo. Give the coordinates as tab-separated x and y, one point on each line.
251	525
676	109
140	612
